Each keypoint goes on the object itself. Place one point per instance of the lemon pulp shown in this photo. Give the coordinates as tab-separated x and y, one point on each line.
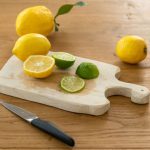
39	66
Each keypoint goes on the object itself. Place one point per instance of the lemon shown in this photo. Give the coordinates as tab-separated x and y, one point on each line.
39	66
72	84
63	60
37	19
31	44
87	70
131	49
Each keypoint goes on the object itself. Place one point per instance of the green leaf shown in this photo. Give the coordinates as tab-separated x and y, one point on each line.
64	10
80	3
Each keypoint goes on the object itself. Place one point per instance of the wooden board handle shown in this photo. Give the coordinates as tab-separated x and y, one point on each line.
139	94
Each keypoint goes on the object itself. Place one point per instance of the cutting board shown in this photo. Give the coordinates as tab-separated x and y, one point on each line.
91	100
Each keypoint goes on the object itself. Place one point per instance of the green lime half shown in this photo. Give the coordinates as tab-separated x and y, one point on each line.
87	70
72	84
63	60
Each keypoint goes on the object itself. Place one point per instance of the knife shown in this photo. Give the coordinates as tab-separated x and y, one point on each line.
45	126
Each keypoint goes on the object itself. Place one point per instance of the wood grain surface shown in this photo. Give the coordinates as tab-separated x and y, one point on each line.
90	32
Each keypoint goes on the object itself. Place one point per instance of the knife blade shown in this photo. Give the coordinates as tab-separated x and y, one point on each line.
45	126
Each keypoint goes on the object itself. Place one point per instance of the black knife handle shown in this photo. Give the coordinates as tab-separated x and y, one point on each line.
52	130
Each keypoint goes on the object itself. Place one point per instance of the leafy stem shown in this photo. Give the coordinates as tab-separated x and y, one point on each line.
64	9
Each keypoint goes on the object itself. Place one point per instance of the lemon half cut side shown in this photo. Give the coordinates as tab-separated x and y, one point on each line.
39	66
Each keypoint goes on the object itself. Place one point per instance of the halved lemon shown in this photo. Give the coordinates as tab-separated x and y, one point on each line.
39	66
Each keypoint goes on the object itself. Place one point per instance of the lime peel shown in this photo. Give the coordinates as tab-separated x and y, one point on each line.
63	60
87	70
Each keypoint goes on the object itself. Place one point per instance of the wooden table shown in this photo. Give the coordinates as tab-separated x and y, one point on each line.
90	32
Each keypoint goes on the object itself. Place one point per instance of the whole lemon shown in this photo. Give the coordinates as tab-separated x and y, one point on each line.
131	49
31	44
37	19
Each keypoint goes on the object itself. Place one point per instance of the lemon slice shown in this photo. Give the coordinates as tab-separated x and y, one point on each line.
39	66
72	84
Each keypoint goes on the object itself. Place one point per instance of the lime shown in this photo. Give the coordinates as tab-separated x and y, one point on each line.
63	60
72	84
87	70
